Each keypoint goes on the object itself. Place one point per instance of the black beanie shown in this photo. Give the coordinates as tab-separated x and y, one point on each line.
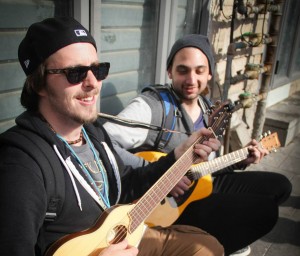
48	36
193	40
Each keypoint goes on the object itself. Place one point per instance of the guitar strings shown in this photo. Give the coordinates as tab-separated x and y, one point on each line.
192	157
167	181
238	155
168	178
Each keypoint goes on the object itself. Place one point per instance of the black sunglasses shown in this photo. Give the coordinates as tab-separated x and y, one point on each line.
78	74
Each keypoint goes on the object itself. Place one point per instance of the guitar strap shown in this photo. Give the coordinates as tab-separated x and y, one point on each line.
170	103
170	114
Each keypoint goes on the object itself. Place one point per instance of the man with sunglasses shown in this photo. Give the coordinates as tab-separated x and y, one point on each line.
59	135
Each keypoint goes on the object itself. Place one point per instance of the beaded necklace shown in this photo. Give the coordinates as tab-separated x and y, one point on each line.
103	198
72	142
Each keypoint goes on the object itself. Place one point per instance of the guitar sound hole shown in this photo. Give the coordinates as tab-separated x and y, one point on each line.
117	234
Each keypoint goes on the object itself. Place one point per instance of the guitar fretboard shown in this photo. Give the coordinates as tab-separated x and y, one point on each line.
216	164
162	187
172	176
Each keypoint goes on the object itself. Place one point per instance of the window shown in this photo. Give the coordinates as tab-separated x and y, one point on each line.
136	37
287	62
128	42
15	17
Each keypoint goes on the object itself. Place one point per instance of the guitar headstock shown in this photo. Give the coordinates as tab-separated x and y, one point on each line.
220	116
270	141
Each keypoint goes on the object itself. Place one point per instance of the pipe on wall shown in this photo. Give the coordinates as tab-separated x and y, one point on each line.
231	51
274	29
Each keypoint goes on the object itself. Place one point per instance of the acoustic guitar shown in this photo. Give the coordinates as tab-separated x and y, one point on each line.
170	208
128	221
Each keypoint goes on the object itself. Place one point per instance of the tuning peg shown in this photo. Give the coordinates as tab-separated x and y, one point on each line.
212	107
209	111
218	103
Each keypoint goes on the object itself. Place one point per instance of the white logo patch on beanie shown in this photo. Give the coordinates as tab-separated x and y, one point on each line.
80	32
26	63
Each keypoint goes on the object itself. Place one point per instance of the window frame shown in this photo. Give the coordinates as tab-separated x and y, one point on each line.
290	73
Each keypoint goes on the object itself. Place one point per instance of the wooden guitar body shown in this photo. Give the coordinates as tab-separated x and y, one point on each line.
170	208
115	226
127	221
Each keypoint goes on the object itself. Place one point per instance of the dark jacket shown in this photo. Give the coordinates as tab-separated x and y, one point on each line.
23	196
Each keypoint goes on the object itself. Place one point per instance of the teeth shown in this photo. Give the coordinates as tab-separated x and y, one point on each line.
87	99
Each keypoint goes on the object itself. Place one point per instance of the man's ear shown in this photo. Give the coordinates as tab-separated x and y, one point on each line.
42	92
205	92
169	72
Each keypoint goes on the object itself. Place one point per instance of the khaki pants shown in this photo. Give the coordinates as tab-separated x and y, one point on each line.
179	240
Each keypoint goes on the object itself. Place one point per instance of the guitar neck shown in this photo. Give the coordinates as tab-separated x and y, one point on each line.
202	169
270	142
162	187
143	208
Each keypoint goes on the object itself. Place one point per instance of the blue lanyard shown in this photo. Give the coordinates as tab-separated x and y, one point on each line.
104	195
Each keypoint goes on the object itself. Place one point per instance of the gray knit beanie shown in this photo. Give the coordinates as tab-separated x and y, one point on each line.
193	40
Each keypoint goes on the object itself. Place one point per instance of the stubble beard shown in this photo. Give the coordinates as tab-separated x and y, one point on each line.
186	97
86	120
68	111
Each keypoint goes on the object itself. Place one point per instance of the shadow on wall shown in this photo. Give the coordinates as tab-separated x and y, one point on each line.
109	102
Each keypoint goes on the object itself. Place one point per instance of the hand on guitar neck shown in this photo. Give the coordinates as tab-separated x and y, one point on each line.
198	183
201	147
202	150
256	153
121	222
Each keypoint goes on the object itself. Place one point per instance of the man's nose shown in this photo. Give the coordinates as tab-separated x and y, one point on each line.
191	78
90	80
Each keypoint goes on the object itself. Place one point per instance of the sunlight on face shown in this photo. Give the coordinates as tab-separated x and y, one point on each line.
62	101
189	73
